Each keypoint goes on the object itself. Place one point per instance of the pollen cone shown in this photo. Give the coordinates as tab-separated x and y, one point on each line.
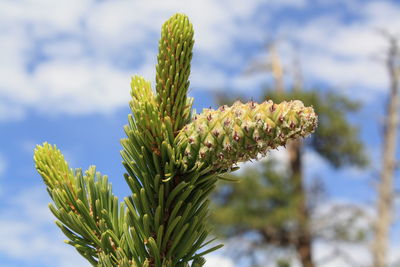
223	137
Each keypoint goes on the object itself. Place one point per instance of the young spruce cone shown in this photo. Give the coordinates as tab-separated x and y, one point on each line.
223	137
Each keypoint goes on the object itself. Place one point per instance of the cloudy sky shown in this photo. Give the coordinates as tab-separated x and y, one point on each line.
65	68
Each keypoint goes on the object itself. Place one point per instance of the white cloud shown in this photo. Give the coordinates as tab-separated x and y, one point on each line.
344	53
325	254
27	225
330	254
48	16
62	82
77	57
314	164
348	255
218	261
202	77
279	155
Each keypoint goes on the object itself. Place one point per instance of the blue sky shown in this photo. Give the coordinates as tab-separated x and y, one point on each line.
65	68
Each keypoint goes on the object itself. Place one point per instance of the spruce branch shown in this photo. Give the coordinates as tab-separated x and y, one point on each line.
172	164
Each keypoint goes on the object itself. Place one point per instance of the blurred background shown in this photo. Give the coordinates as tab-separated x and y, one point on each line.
329	200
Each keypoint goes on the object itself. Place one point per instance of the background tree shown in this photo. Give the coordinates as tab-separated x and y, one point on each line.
385	198
278	206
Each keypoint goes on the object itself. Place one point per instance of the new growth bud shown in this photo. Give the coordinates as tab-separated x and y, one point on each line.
51	165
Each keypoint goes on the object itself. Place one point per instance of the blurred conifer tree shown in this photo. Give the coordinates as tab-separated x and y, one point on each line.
268	201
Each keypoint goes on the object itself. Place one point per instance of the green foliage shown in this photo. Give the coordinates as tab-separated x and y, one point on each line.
163	223
264	200
282	263
88	213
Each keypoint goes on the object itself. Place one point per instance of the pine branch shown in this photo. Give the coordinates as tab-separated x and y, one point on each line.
88	213
171	175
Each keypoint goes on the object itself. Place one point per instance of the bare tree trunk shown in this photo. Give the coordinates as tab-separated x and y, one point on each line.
385	187
276	68
303	242
304	238
298	82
